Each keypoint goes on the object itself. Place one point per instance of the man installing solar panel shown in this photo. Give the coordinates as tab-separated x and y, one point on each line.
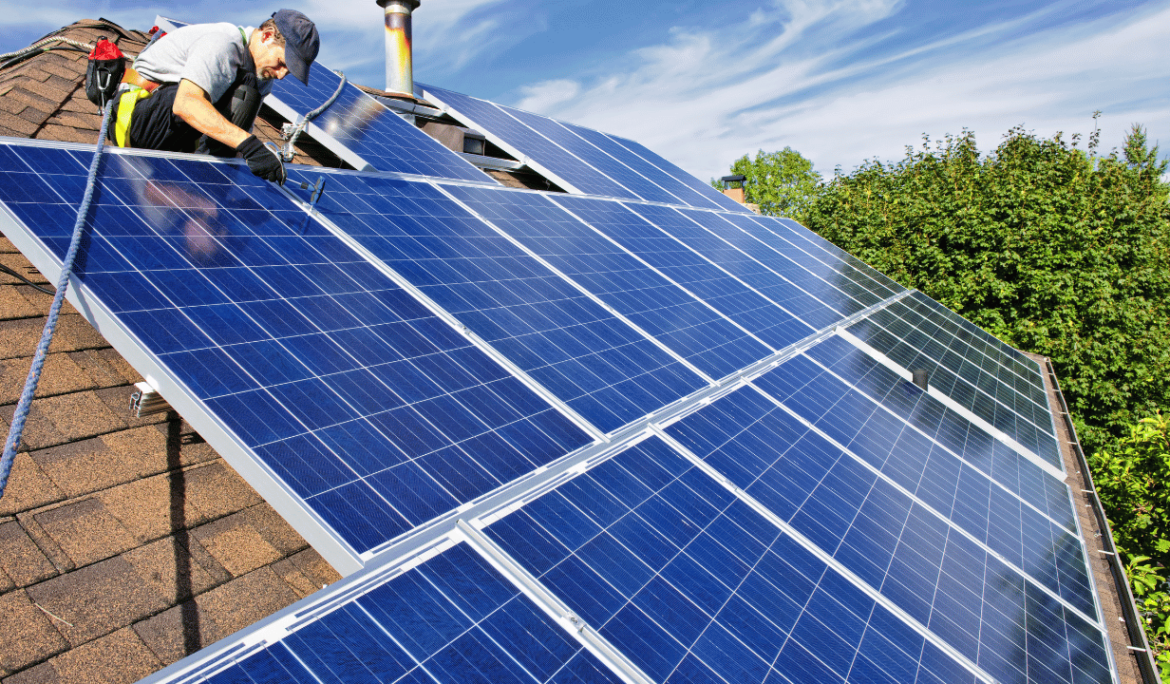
199	87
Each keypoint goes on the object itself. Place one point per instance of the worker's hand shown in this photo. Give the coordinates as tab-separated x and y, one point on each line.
262	160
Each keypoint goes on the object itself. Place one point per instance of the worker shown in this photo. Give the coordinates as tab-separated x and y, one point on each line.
200	86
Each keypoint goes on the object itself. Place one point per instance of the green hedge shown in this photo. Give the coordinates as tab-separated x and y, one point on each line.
1049	248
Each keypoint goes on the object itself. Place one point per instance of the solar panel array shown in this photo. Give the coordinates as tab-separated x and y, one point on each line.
567	438
579	160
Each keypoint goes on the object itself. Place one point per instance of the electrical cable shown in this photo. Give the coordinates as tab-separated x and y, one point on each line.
291	133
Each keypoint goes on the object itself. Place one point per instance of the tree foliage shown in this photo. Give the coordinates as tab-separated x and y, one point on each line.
1130	478
782	183
1045	245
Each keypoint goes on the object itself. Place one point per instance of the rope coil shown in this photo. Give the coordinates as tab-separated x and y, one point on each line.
16	430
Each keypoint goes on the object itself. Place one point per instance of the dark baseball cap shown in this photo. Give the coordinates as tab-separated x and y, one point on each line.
301	42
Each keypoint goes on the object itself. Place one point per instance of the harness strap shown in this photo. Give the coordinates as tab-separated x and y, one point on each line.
126	103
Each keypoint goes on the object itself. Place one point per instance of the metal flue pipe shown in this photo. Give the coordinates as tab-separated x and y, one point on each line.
399	60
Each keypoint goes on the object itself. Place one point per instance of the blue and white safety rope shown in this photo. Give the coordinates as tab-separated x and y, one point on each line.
16	430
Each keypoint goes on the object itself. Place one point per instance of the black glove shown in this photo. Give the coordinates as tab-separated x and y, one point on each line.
262	160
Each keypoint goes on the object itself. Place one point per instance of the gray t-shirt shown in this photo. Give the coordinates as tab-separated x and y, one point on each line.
208	55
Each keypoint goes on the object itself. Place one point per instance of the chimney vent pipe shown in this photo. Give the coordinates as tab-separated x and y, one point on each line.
399	60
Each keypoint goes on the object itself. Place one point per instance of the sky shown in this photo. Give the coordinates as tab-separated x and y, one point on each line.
702	83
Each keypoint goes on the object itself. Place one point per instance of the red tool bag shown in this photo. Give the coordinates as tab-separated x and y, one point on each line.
104	73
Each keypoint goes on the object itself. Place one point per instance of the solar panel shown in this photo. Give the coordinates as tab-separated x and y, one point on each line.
776	321
679	319
1020	533
981	393
724	202
538	152
676	229
582	438
601	367
683	192
1012	626
815	244
692	584
350	404
1021	476
449	617
364	132
749	256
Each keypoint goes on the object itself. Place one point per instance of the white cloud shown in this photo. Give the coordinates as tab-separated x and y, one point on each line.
705	98
547	94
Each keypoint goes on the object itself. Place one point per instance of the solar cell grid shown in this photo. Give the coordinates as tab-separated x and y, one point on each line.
451	619
1004	408
605	370
830	272
587	152
1051	554
991	355
817	312
725	203
683	193
752	257
368	408
975	367
562	167
1006	466
776	325
693	585
371	130
794	241
674	317
976	603
819	246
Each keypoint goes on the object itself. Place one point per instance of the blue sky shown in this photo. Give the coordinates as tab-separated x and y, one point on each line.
702	83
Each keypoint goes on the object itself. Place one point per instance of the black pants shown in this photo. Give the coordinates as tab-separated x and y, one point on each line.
154	125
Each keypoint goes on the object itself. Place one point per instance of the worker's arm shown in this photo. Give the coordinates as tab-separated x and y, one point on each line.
193	106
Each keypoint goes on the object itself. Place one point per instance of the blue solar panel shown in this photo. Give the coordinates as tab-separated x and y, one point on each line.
684	193
774	316
808	308
451	619
723	201
371	130
561	166
979	605
982	451
366	406
997	403
605	370
1025	536
816	245
778	237
587	152
693	585
749	256
976	346
674	317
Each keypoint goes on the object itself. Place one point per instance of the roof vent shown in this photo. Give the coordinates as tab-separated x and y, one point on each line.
399	60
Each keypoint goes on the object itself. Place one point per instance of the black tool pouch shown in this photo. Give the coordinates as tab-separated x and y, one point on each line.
104	72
